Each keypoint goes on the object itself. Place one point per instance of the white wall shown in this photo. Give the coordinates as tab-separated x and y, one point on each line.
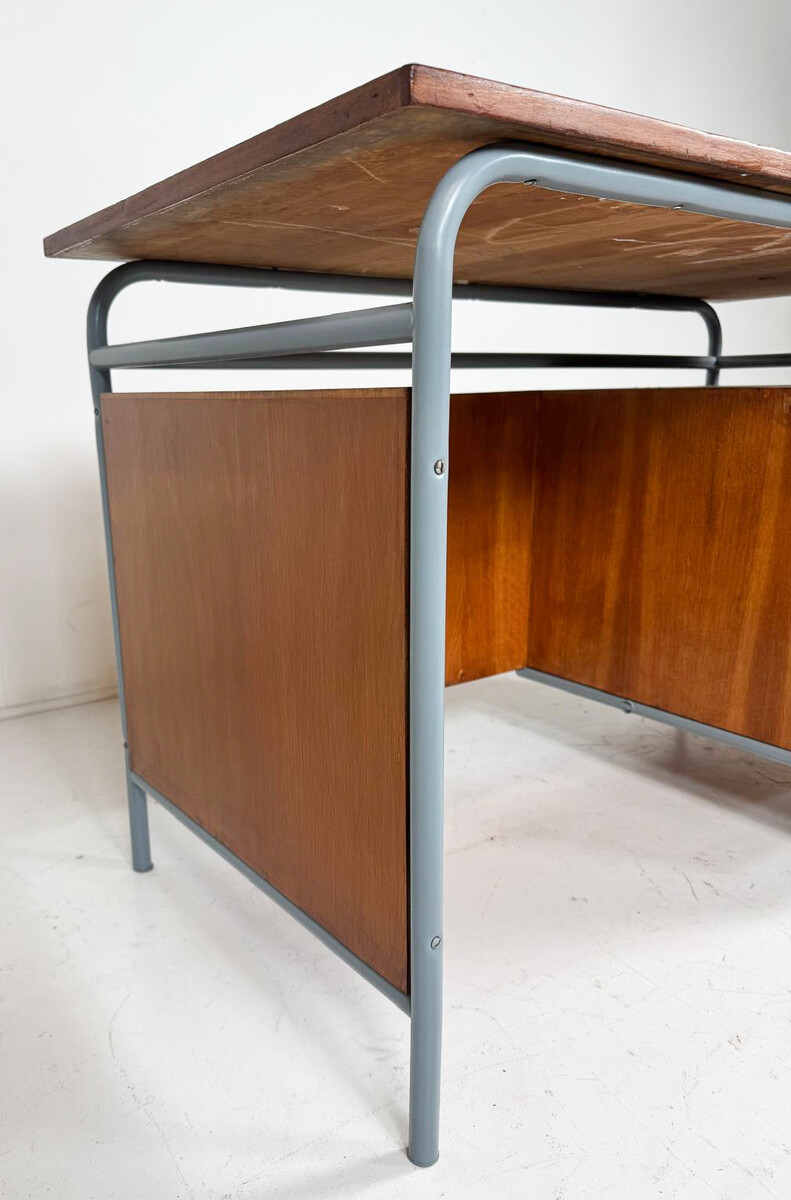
102	99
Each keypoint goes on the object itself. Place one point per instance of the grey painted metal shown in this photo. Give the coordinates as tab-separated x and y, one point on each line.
223	276
138	825
610	179
341	360
217	275
373	977
166	271
433	292
743	362
714	329
100	382
383	326
738	741
464	360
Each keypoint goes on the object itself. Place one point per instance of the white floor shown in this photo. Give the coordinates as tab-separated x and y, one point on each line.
618	985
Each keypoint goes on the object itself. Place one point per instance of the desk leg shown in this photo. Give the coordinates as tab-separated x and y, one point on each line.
138	826
428	549
100	383
431	362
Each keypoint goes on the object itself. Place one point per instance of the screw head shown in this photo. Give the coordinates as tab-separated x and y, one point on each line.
439	467
435	942
627	706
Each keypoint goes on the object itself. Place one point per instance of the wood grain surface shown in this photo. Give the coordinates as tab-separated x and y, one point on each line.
343	187
260	550
658	524
635	541
490	523
662	551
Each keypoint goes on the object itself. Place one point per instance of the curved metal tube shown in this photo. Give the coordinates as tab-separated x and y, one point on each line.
433	294
222	276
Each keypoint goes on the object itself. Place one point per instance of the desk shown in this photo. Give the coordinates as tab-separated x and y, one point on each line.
296	575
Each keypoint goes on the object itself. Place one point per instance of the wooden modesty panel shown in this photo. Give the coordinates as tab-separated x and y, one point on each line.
660	535
490	526
343	187
260	555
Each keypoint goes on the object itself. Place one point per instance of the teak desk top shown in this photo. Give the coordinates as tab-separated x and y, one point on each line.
342	188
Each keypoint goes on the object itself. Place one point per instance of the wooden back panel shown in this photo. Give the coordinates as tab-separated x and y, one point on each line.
662	551
260	549
490	526
659	526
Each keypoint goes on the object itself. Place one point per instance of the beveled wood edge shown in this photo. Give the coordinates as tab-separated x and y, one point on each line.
343	113
560	120
550	119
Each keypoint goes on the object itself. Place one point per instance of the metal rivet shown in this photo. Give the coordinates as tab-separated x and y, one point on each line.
96	412
677	207
435	941
627	706
439	467
530	182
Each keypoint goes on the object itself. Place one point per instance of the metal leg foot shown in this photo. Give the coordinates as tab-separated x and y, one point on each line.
138	827
424	1077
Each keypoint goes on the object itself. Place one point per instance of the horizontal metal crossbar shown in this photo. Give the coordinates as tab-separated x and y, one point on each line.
610	179
744	362
379	982
342	360
465	360
306	281
737	740
383	326
166	271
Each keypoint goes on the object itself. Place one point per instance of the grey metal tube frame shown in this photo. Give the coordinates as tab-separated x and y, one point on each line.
429	326
738	741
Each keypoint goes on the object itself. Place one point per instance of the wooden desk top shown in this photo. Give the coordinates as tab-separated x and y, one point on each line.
342	188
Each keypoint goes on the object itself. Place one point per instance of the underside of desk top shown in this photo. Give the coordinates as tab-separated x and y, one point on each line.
342	189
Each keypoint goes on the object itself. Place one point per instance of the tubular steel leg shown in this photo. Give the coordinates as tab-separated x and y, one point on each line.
100	382
428	536
433	294
138	826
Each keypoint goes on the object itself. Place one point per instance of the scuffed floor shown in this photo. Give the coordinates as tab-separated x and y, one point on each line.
618	981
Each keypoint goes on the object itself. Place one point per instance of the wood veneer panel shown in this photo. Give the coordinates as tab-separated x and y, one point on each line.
260	550
661	551
490	521
343	187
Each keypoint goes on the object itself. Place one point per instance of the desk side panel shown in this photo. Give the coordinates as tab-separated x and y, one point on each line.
261	547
